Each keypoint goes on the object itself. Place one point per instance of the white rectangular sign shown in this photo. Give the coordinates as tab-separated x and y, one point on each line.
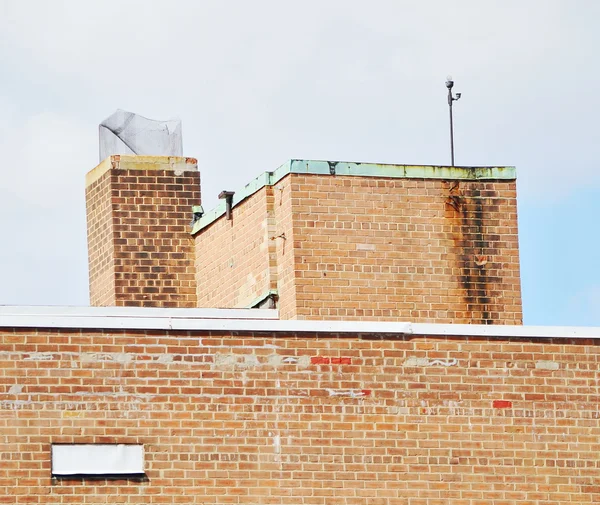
97	459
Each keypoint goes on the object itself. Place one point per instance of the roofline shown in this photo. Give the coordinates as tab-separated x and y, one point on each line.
177	164
383	170
258	320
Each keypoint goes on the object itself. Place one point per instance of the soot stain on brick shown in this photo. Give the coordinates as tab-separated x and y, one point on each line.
469	210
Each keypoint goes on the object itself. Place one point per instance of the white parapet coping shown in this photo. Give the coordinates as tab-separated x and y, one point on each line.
257	320
140	318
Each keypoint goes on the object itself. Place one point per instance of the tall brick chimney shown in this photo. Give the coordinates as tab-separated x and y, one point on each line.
139	246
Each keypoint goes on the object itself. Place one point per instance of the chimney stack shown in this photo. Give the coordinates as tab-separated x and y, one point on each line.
139	210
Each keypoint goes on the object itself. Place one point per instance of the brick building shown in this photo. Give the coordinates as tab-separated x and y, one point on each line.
393	367
323	240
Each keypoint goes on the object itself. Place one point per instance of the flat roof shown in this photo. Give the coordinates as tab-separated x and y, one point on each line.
383	170
257	320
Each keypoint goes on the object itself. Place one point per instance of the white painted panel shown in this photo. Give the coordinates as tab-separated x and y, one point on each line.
97	459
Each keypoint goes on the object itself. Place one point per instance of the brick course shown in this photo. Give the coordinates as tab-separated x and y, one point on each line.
284	418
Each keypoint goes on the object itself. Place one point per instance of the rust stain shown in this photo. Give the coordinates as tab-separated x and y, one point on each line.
481	260
474	249
454	196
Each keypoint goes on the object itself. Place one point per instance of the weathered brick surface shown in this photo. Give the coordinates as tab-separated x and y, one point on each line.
148	213
239	261
304	419
101	242
411	249
233	256
285	255
371	248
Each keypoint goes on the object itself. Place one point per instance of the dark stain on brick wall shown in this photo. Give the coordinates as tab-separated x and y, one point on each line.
476	250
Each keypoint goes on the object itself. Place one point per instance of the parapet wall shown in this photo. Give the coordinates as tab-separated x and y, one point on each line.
343	241
406	249
294	417
233	256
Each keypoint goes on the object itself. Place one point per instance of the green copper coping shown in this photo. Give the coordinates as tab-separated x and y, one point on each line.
334	168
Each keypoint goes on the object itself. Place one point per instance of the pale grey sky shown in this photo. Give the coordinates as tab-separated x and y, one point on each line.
258	82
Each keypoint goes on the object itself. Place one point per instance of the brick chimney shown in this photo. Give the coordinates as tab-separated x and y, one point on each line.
139	245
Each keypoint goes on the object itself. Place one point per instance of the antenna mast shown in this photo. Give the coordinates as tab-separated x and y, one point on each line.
449	85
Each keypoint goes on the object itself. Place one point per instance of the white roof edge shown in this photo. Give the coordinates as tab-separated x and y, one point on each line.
136	312
260	320
501	330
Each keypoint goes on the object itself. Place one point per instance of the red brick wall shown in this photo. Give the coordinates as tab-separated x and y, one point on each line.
101	245
289	418
233	256
153	253
406	249
285	256
369	248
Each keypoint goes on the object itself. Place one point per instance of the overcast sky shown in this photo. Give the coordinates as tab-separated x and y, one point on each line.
259	82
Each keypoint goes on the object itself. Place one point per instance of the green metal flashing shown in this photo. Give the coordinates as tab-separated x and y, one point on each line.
401	171
333	168
249	189
262	298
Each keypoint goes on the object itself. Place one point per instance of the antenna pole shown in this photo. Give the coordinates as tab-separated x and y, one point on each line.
451	128
449	85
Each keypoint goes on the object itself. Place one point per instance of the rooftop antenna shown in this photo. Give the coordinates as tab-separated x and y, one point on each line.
449	85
